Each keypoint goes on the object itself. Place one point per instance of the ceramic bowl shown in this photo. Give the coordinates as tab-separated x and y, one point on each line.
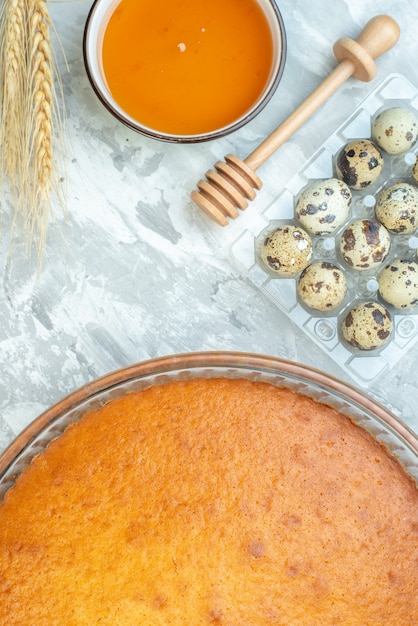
94	32
359	407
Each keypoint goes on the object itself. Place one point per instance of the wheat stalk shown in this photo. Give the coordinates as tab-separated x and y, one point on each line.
39	114
30	123
13	89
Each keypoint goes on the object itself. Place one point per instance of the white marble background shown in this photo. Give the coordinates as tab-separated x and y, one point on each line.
135	271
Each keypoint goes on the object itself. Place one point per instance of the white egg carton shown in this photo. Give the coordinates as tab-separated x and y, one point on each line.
325	328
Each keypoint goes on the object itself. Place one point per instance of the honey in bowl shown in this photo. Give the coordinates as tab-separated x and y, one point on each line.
189	67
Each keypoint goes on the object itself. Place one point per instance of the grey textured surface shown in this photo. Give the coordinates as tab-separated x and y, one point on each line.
135	271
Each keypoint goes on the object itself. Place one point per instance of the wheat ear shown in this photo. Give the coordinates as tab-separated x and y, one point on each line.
30	123
41	106
13	90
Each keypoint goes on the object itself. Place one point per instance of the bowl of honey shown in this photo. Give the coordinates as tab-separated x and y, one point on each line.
184	71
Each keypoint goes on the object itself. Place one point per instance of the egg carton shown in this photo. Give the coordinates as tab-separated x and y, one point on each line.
324	328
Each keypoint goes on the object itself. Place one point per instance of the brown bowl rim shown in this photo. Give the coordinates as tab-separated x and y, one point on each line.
206	360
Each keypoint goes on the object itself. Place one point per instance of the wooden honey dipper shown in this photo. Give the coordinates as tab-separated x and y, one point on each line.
232	183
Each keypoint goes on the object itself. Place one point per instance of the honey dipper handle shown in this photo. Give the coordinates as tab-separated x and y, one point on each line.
356	58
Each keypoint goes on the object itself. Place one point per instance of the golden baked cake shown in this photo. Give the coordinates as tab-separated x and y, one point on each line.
214	501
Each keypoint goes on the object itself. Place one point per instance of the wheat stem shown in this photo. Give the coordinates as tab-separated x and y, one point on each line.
29	119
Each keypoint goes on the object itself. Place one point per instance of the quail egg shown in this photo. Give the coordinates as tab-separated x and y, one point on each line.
415	172
286	250
367	326
398	283
395	130
397	208
323	206
364	244
359	164
322	286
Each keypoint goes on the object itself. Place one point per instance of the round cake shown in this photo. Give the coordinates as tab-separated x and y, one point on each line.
211	501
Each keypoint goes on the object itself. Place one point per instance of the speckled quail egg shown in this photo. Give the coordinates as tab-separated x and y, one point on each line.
359	163
395	130
415	172
287	250
367	326
322	286
398	283
397	208
364	244
323	206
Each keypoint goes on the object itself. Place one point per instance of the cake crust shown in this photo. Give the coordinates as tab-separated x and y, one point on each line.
222	501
